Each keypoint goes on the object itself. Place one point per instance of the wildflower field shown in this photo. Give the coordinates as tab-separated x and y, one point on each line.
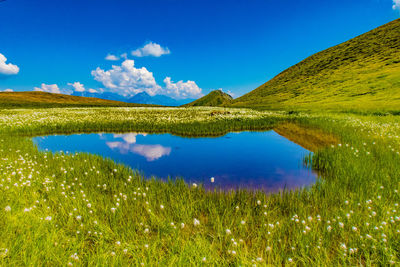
81	209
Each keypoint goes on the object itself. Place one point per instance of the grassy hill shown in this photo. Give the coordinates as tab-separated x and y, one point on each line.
44	100
215	98
360	74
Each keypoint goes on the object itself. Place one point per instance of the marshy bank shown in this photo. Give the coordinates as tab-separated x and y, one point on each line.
83	209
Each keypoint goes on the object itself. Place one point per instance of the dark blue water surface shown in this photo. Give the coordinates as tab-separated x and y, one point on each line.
253	160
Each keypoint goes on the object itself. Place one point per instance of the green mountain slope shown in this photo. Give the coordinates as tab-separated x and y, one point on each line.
215	98
44	100
360	74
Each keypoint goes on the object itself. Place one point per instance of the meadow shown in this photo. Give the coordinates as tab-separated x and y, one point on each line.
82	209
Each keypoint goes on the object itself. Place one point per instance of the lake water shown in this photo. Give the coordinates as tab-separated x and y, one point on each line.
252	160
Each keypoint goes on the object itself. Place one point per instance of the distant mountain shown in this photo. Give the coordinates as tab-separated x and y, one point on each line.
140	98
145	98
360	74
106	96
215	98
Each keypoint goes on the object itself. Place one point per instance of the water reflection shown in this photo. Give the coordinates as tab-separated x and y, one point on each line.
253	160
150	152
129	138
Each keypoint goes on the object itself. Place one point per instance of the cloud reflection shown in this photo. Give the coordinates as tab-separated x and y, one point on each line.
129	138
150	152
123	147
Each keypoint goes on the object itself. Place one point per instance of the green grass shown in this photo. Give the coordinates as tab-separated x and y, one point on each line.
307	227
216	98
362	74
180	121
32	99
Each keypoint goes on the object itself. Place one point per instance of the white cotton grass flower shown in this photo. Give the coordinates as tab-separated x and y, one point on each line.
194	185
212	179
196	222
7	209
75	257
228	232
3	252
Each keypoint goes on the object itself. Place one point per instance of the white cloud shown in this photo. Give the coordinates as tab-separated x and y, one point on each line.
124	56
396	4
93	91
52	88
151	49
7	69
188	89
78	87
8	90
111	57
127	80
229	92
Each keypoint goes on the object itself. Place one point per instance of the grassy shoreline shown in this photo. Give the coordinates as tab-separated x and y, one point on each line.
55	205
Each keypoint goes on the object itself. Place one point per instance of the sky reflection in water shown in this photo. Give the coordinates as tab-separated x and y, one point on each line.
253	160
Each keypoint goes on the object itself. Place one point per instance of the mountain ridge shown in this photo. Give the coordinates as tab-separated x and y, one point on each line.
140	98
32	99
362	73
215	98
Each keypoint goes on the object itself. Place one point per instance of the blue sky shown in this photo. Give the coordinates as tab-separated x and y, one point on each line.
203	45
